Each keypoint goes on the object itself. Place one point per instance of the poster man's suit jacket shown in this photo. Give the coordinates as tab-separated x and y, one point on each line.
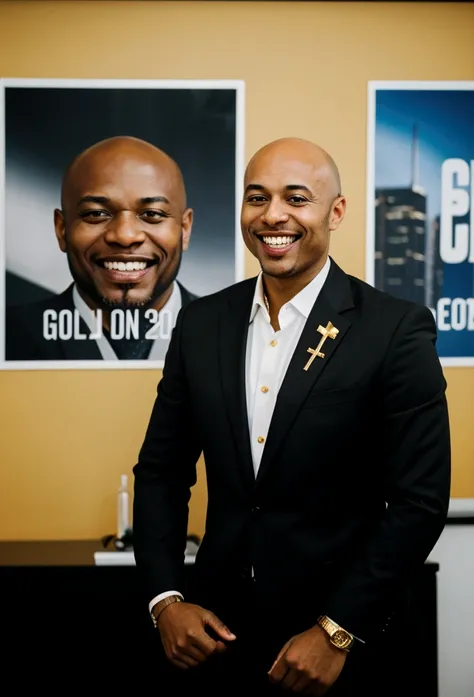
24	340
353	486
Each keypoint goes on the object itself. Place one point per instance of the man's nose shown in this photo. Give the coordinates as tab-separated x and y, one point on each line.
274	213
125	230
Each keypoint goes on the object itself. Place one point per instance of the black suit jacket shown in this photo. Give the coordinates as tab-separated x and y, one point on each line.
24	340
353	486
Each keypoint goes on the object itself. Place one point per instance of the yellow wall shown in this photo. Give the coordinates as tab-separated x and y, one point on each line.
67	436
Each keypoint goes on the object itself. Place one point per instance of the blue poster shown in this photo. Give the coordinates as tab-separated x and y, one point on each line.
420	200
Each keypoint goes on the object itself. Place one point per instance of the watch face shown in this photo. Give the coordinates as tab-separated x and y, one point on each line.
341	639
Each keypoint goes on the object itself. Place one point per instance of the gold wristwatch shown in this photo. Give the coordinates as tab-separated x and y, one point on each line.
162	604
337	635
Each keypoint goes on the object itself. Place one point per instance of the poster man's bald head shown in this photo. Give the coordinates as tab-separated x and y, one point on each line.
117	151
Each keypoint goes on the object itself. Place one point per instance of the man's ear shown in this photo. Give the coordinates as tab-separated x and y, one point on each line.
186	227
60	229
338	211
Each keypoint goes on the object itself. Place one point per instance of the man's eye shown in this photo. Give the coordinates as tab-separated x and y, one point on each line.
297	199
94	214
153	216
256	199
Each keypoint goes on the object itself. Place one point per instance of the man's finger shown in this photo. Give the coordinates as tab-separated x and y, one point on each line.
315	690
302	685
186	656
281	653
219	627
220	646
180	663
289	680
205	643
278	670
197	650
189	660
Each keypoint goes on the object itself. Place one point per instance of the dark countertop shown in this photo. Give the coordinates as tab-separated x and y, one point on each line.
49	552
63	553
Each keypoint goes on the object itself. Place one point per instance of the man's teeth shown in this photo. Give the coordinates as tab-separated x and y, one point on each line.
280	241
125	266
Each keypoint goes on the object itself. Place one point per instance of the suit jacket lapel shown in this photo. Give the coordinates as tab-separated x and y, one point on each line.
233	330
81	349
334	298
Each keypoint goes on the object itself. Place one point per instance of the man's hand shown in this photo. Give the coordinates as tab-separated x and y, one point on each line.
186	633
308	663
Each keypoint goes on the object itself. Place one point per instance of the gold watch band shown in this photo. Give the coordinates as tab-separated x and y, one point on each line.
338	636
162	605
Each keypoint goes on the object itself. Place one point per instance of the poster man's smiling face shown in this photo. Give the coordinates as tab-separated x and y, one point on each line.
123	224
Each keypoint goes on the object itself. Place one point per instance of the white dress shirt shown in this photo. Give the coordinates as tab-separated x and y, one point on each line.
268	355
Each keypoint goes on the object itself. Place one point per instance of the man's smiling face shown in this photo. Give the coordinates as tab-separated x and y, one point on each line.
291	204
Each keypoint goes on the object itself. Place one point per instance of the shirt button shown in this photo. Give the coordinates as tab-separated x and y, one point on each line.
264	388
261	439
273	343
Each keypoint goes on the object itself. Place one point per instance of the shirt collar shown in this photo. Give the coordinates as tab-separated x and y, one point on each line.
302	301
258	299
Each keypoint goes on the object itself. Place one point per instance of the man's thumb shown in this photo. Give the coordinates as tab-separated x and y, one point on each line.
219	627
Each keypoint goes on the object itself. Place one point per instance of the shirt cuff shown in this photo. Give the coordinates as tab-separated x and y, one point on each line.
161	596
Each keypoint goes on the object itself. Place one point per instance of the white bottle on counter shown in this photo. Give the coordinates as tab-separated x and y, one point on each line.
123	507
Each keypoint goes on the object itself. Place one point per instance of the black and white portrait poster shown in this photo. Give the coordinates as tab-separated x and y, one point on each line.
120	205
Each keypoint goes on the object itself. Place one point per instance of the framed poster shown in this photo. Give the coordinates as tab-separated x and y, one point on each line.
420	203
120	205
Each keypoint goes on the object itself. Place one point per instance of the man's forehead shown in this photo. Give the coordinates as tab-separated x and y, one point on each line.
123	166
126	174
279	173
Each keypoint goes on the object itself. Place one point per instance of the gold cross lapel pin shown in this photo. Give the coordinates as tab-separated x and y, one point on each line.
328	332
